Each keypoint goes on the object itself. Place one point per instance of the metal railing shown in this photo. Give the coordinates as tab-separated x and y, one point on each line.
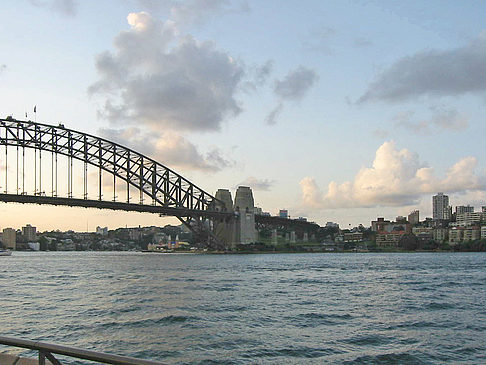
47	350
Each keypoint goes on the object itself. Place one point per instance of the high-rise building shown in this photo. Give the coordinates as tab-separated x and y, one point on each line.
283	213
29	233
9	238
464	209
440	206
414	217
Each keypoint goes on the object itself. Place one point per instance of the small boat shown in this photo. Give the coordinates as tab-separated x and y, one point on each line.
5	252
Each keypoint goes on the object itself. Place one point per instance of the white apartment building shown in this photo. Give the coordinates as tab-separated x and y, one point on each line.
440	206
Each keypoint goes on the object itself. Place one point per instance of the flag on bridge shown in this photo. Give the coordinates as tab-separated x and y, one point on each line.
35	108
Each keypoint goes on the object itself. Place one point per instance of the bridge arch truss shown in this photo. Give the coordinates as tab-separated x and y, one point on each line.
169	192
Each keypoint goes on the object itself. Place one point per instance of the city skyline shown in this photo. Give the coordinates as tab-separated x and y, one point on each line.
209	88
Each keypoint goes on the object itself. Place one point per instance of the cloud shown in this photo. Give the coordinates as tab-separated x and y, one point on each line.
257	76
257	184
272	117
296	84
292	87
432	73
3	68
396	178
262	73
169	148
65	7
164	80
441	120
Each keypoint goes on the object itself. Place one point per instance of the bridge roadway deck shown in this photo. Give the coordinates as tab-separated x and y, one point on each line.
102	204
145	208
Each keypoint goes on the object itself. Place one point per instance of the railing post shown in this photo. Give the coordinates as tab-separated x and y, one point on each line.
42	358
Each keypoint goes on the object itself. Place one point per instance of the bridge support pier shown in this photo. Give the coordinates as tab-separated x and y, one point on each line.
274	237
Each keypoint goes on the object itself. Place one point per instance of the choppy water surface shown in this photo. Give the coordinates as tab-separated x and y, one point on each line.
246	309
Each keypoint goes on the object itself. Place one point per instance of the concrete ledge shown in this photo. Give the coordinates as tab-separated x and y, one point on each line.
7	359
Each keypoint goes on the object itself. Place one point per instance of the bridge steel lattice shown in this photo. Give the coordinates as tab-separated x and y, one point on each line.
169	192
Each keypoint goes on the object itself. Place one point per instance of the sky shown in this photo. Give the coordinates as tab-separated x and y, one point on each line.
339	111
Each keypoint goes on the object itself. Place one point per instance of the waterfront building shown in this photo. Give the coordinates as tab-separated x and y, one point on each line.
103	231
468	219
389	238
460	209
379	224
135	234
440	234
447	213
29	233
440	204
456	235
422	230
401	219
9	238
471	234
332	225
483	232
353	237
414	217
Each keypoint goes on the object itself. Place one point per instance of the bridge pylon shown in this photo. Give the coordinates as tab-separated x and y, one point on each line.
240	228
225	228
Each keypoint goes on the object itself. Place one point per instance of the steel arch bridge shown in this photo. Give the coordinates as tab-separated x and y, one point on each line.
168	192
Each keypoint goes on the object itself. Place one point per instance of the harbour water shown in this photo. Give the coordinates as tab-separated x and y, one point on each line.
427	308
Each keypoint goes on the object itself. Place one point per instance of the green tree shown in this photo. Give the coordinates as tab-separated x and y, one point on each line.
408	242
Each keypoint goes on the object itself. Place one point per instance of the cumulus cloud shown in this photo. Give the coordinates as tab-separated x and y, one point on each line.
257	184
433	72
164	80
65	7
296	84
441	120
170	149
396	178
